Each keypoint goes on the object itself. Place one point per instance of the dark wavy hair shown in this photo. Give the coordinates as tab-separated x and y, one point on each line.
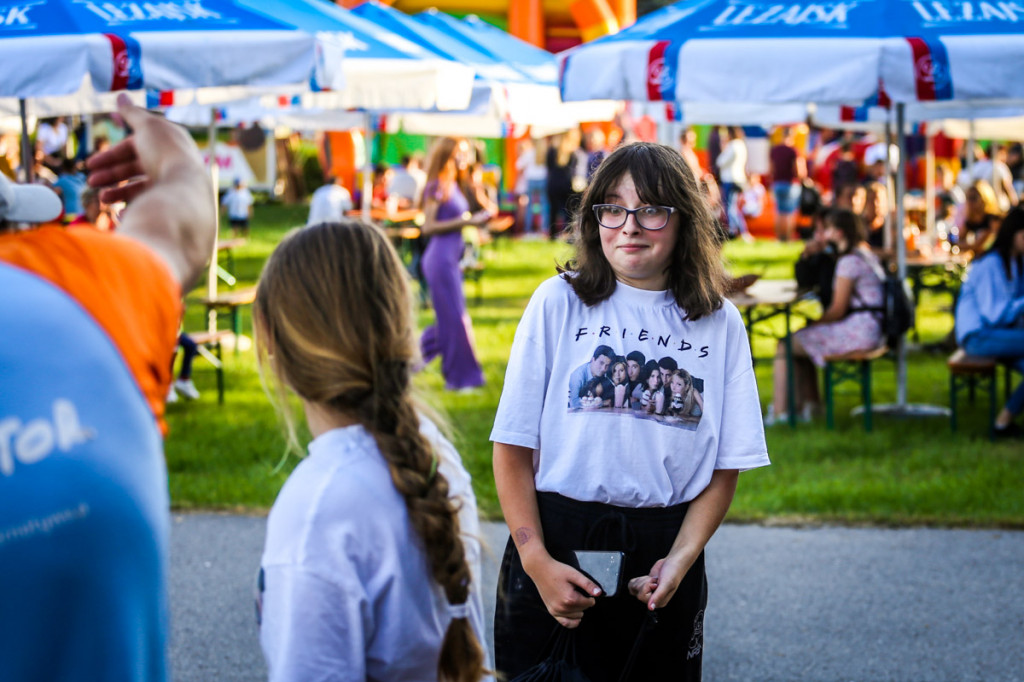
695	273
850	224
1012	223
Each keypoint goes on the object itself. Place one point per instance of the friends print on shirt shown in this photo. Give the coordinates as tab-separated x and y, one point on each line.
655	389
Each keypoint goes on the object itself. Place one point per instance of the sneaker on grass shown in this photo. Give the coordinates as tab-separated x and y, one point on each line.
186	388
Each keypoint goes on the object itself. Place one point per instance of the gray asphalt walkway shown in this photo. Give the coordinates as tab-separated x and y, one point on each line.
821	604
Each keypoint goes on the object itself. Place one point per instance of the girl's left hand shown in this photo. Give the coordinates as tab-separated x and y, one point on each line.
657	588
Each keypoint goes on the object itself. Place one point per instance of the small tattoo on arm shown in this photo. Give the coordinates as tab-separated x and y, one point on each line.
523	535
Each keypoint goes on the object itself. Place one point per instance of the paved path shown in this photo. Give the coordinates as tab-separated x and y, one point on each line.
786	605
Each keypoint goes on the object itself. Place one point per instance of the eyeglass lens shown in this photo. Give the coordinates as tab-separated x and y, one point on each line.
649	217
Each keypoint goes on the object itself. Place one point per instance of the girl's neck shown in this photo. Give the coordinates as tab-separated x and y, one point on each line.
322	418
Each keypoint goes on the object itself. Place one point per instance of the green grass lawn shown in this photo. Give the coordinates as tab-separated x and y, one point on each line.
907	471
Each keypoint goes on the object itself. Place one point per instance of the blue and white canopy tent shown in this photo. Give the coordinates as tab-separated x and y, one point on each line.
506	93
838	52
213	51
544	113
799	51
60	47
58	44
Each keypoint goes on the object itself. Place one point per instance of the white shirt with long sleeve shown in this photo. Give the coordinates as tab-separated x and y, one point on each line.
732	162
347	593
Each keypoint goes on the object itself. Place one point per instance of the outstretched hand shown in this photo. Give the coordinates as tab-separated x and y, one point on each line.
159	172
153	150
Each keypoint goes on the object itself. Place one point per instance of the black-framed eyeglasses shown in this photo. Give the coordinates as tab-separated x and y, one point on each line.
614	216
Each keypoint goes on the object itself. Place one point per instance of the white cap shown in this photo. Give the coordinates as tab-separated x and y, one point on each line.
27	203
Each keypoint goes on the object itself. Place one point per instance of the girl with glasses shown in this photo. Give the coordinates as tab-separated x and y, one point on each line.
646	275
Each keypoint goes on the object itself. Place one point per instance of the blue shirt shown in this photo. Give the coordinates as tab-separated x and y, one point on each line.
987	298
84	511
71	186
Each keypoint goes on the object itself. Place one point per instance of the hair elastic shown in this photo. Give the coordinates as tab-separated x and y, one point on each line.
457	611
433	468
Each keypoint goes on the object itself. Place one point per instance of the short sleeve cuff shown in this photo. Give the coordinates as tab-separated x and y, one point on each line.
524	440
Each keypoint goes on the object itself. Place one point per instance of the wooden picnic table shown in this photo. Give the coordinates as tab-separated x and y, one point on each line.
386	217
230	302
763	300
227	247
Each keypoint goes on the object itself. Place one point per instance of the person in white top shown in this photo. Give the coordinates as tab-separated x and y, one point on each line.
238	203
732	171
370	570
645	279
329	203
51	144
408	182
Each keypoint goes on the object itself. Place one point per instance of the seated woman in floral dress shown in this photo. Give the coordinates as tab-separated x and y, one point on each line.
844	327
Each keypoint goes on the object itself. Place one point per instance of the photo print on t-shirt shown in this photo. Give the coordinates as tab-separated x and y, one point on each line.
633	385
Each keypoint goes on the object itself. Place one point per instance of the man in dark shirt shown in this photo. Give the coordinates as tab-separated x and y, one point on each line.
788	171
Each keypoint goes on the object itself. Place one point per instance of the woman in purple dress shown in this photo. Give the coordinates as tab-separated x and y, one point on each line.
445	212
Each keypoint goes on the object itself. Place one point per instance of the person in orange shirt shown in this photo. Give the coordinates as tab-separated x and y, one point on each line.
90	322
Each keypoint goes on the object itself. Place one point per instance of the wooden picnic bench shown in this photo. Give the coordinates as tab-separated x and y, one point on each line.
210	347
230	302
853	366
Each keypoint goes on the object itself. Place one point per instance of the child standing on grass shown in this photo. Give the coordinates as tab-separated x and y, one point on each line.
646	270
371	564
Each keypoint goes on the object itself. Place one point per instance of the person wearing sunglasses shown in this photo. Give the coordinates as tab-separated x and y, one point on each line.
645	275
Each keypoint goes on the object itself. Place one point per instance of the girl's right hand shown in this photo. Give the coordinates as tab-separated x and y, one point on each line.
559	586
480	218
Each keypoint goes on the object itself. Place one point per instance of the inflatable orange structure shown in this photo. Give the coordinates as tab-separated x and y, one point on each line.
554	25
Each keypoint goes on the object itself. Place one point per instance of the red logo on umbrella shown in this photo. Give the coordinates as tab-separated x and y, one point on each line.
122	65
656	71
924	69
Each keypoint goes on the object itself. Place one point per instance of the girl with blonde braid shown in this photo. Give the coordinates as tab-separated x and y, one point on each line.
370	567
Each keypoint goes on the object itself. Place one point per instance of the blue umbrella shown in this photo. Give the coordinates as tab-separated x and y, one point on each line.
71	53
537	64
486	66
59	44
801	51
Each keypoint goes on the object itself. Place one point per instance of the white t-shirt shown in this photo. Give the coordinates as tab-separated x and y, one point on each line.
347	592
52	138
328	204
407	185
623	456
238	200
732	162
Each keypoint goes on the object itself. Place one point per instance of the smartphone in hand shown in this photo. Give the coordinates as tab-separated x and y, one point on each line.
604	568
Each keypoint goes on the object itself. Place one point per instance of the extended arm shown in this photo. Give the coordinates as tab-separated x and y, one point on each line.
431	225
556	582
170	196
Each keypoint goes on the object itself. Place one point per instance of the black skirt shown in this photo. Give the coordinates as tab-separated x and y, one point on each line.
670	650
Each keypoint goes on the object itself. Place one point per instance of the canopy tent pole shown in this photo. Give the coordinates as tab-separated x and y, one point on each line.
367	197
969	155
901	247
891	199
27	157
901	408
211	275
929	186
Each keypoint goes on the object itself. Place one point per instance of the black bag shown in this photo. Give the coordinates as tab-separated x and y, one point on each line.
560	664
897	309
810	200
